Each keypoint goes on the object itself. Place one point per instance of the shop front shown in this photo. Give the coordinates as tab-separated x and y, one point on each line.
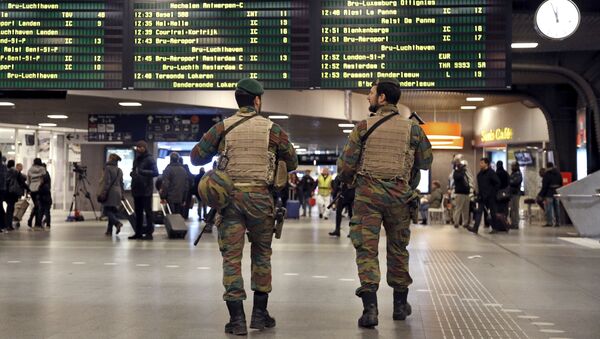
513	133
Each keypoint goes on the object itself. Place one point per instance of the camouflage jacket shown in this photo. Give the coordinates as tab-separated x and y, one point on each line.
212	143
349	162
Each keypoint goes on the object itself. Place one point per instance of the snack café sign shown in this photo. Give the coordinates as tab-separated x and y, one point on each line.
498	134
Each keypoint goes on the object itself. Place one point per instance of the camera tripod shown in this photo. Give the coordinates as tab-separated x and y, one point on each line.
81	186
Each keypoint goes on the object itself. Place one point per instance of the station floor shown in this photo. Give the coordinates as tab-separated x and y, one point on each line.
73	282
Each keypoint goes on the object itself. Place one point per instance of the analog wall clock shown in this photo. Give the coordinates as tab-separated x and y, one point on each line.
557	19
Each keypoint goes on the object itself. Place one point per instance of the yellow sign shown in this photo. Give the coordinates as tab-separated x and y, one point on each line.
498	134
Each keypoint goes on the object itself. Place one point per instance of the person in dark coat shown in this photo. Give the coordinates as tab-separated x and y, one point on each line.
516	179
142	174
462	191
550	182
306	187
502	206
16	186
174	184
487	186
3	176
46	198
201	204
188	202
345	200
111	184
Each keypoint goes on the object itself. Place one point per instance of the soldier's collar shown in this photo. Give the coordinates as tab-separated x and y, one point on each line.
386	109
246	111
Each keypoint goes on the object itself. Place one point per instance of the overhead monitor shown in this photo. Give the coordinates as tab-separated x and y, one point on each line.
524	158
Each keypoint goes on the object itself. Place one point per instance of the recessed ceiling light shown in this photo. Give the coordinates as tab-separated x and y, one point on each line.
301	150
346	125
524	45
473	99
130	104
468	107
57	116
347	131
278	117
47	124
6	104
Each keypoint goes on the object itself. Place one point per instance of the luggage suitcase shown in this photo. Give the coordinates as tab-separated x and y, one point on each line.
158	217
21	207
130	212
174	224
502	221
293	209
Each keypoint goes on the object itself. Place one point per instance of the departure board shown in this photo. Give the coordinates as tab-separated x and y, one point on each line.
285	44
213	44
448	44
61	44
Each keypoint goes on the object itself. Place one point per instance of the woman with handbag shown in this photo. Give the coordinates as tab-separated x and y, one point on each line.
111	192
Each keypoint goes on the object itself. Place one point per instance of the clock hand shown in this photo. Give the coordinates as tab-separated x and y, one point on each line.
555	11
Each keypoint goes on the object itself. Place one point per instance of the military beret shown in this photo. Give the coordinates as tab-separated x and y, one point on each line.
251	86
387	80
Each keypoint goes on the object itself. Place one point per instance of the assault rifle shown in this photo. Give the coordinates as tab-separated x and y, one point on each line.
209	221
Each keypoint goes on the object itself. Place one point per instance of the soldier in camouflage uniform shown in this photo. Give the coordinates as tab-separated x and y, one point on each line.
248	155
385	169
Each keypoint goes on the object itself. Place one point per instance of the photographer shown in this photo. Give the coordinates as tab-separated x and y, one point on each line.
144	169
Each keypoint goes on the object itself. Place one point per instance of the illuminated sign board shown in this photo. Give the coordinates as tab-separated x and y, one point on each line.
294	44
498	134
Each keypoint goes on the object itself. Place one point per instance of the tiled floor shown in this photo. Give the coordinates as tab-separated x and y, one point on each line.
73	282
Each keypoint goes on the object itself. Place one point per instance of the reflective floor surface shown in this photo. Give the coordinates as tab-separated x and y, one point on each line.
73	282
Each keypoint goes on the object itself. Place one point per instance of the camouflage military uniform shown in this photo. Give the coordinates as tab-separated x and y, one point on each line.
380	201
251	209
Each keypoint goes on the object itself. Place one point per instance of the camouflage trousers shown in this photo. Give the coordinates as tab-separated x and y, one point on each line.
365	227
252	212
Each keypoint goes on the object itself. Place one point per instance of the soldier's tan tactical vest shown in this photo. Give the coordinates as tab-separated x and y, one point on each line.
387	153
249	161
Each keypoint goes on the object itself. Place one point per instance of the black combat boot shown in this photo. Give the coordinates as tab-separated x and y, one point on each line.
369	316
402	308
237	318
260	316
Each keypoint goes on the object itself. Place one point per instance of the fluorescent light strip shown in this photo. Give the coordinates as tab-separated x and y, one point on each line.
347	131
130	104
468	107
440	143
278	117
6	104
47	124
443	137
524	45
57	116
346	125
296	146
475	99
446	147
301	150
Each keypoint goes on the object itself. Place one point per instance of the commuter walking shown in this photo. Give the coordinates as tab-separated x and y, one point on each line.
433	200
35	179
306	188
324	183
46	198
516	179
248	145
16	187
3	194
142	174
175	185
344	194
462	194
504	177
551	181
201	203
111	192
487	185
386	178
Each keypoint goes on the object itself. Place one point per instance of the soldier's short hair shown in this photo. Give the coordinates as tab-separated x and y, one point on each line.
244	98
390	89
